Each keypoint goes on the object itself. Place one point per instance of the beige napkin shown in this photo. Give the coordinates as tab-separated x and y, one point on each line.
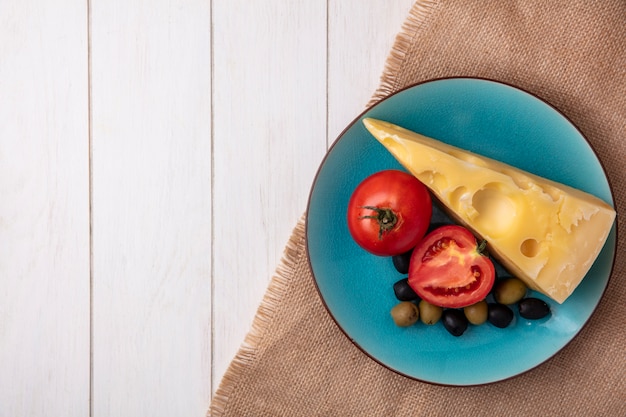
296	362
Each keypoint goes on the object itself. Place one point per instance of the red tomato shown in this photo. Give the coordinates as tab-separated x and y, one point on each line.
389	212
448	269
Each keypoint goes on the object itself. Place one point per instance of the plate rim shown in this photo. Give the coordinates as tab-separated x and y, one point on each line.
400	91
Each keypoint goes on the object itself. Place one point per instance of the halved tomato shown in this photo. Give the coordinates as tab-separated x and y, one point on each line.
448	269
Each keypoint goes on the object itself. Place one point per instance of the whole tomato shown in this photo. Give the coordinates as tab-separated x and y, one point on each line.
389	212
448	268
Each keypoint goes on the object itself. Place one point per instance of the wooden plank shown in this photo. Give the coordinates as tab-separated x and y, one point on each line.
151	98
360	39
44	209
269	138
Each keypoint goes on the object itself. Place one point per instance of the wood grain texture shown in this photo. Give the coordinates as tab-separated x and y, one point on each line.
44	209
269	135
360	39
151	203
154	158
277	108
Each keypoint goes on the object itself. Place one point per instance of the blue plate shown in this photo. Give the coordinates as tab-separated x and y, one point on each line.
486	117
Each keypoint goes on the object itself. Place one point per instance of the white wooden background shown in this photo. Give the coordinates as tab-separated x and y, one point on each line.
154	158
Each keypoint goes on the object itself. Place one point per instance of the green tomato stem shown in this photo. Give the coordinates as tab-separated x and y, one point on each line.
481	247
385	217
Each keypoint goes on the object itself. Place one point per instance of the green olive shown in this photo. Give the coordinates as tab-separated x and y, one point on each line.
405	314
509	291
429	313
476	313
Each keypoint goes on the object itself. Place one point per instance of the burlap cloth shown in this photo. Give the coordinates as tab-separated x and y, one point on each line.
296	362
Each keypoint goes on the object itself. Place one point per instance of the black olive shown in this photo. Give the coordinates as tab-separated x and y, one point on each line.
533	308
454	321
401	262
437	225
499	315
403	291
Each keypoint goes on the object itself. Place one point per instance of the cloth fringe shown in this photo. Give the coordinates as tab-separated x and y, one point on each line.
418	15
248	349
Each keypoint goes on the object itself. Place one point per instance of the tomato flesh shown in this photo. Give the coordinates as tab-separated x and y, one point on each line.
448	270
389	212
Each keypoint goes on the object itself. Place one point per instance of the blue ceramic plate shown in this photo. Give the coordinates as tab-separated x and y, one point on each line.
486	117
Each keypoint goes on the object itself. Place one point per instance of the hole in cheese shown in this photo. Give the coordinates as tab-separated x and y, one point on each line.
554	193
525	183
456	196
529	248
522	181
496	210
467	157
434	180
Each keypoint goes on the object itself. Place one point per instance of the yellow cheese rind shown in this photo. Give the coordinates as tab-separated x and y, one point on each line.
546	233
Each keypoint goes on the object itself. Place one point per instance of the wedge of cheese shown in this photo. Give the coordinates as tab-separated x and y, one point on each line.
545	233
